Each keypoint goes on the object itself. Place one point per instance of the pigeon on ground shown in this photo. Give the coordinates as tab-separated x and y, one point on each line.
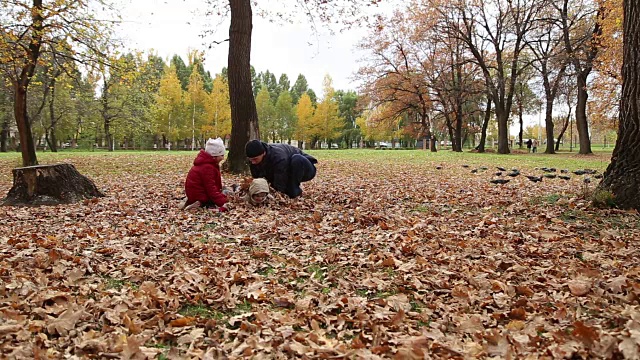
483	168
499	173
499	181
550	176
564	177
534	178
465	166
474	171
564	171
587	180
514	173
501	168
579	172
599	176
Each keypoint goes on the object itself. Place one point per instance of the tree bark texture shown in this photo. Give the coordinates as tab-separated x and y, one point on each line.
622	177
4	135
503	132
582	124
565	125
49	185
485	125
22	83
244	116
548	119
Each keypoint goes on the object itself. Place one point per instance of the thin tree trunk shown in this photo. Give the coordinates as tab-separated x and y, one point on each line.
485	125
582	125
521	122
622	176
244	117
457	140
565	125
52	119
4	135
548	119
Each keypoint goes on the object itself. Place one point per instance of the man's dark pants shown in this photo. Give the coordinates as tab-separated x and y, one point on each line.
300	170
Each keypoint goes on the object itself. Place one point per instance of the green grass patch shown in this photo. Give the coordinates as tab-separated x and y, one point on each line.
244	307
562	160
267	271
225	240
203	240
423	323
552	198
416	306
422	209
317	272
571	215
118	284
385	294
210	226
200	311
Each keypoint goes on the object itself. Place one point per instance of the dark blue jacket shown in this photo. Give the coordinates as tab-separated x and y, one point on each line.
275	165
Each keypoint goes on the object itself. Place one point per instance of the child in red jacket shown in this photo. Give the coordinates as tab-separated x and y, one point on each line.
204	183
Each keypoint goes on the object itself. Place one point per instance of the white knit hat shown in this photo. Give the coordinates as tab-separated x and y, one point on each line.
215	147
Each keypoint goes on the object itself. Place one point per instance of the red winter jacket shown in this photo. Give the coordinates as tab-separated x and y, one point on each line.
204	182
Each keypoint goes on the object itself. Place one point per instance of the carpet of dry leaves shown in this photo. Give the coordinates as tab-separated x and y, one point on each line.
379	259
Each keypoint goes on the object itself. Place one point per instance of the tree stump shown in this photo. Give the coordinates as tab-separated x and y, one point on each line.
49	185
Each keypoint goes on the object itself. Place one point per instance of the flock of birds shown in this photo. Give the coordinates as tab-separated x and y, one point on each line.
549	173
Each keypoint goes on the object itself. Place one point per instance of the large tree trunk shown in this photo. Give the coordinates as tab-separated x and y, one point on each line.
582	124
21	84
244	117
503	131
622	177
27	145
49	185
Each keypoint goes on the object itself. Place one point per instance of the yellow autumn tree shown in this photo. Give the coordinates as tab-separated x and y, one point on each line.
304	112
168	117
218	109
373	129
326	121
196	98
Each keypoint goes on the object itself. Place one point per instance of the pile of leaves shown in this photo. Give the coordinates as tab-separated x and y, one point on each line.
378	259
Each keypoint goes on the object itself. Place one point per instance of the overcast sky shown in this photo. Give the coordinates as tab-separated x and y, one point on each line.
172	27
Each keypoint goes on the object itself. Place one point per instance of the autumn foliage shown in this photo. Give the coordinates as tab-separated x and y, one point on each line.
392	255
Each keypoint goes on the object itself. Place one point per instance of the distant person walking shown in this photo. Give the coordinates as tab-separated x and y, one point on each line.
529	143
534	145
